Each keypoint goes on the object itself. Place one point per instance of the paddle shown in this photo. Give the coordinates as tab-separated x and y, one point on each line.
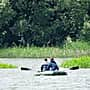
25	68
71	68
74	68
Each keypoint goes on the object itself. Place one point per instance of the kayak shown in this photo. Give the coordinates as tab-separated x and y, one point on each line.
51	73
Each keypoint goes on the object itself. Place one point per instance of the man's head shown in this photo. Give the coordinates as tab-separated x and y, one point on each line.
45	59
52	59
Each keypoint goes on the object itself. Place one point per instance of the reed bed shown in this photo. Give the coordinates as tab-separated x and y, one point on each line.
37	52
75	49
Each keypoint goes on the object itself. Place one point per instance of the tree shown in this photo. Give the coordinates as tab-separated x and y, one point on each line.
42	22
7	20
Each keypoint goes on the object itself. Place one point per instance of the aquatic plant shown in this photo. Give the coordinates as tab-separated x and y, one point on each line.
3	65
82	62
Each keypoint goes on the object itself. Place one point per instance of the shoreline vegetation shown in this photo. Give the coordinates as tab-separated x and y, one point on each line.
74	49
4	65
82	62
79	51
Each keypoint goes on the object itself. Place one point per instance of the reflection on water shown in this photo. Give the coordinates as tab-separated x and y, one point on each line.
15	79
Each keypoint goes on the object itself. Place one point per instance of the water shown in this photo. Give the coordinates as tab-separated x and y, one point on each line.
15	79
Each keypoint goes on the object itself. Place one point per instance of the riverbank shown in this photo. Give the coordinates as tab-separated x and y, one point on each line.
75	49
37	52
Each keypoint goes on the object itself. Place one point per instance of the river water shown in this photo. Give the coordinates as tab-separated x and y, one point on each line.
15	79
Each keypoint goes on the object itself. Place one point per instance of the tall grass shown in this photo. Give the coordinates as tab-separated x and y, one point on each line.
70	50
82	62
77	45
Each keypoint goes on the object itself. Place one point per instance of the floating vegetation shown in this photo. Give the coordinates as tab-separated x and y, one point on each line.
3	65
82	62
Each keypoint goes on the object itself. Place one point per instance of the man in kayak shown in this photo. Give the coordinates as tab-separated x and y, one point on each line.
44	67
53	65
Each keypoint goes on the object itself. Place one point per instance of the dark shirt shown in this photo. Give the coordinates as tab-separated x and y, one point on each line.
53	66
44	67
53	61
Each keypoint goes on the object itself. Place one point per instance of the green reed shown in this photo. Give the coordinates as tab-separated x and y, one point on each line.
75	49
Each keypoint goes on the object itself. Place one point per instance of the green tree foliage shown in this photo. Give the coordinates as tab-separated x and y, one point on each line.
86	28
7	20
42	22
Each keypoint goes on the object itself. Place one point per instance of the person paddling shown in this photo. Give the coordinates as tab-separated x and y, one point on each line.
44	67
53	65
